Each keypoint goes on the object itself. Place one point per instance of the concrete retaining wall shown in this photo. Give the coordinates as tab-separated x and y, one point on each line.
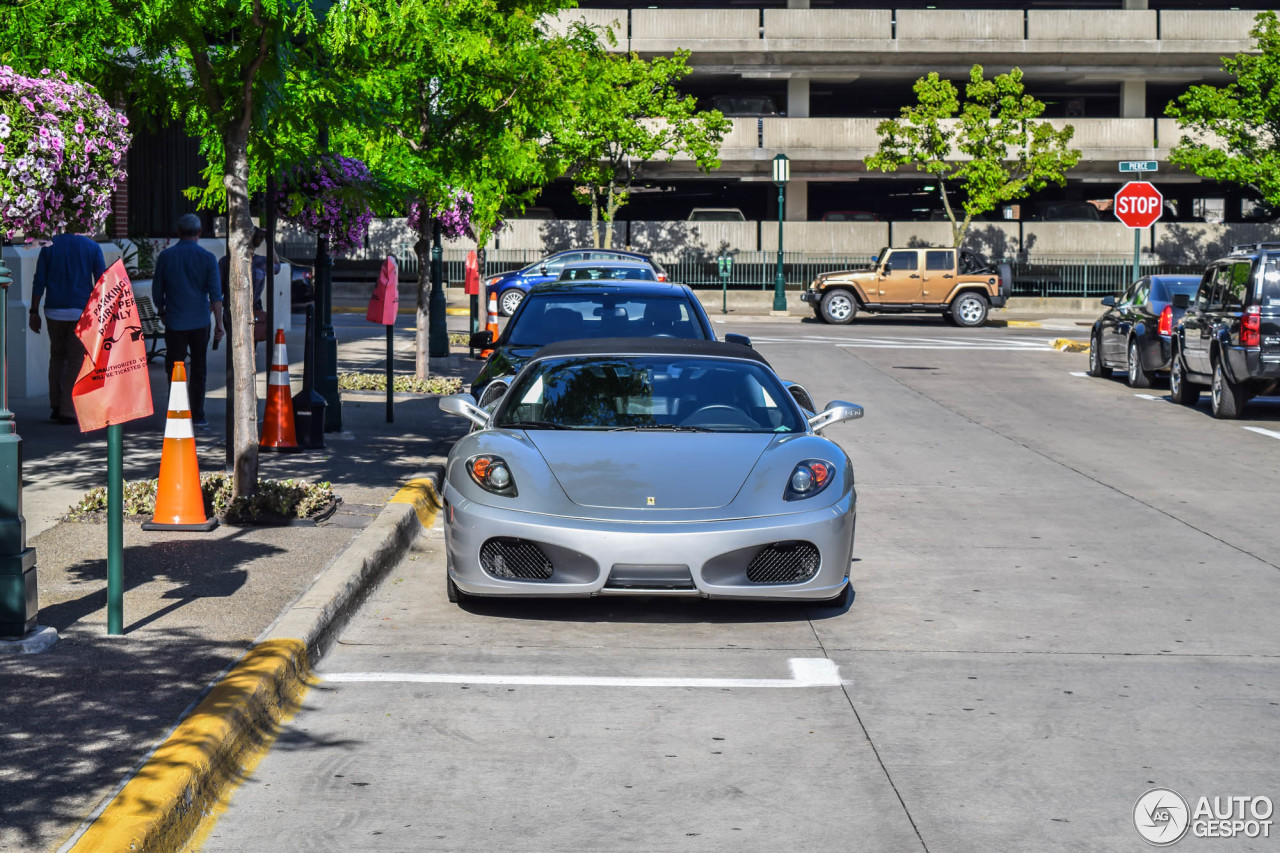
1091	25
828	24
959	25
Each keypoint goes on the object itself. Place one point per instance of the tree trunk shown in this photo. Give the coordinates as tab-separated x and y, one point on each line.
244	396
422	249
595	219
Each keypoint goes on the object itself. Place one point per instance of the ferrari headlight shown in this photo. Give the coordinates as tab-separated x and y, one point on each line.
492	474
808	478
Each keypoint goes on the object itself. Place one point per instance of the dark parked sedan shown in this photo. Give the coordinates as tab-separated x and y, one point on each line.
573	310
1136	332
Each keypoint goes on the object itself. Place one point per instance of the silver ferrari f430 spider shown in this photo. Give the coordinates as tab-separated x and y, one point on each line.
652	466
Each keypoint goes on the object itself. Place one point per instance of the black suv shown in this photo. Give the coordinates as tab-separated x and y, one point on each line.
1229	338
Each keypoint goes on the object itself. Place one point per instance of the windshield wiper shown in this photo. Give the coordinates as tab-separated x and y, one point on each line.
533	425
663	427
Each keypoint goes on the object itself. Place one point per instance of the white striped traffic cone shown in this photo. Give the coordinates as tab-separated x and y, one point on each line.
179	500
278	432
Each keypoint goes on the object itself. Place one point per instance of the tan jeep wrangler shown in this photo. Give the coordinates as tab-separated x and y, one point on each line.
959	284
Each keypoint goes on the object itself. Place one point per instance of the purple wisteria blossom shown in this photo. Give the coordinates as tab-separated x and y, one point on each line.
62	155
454	217
330	198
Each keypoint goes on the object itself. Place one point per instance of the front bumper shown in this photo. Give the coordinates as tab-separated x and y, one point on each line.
810	296
598	557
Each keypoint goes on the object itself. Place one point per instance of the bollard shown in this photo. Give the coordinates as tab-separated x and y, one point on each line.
309	406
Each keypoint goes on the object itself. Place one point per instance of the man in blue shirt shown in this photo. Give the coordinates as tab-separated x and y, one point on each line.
66	272
186	291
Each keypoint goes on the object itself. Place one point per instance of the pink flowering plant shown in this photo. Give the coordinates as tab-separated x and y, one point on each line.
62	155
454	216
331	197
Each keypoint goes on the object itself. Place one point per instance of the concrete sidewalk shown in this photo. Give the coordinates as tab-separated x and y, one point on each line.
82	716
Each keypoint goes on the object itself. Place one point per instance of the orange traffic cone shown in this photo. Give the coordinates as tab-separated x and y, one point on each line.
179	501
491	325
277	424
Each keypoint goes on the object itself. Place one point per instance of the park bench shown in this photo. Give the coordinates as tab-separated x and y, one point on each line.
152	327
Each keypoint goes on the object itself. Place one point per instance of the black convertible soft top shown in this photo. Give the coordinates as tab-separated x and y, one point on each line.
649	346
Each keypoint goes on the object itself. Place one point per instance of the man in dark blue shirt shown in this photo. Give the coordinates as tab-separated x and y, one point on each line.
186	291
66	272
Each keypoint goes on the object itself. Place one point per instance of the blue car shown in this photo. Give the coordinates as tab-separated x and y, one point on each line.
511	287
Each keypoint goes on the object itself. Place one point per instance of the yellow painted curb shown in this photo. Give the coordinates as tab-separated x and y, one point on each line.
1023	324
458	312
1070	345
421	493
162	805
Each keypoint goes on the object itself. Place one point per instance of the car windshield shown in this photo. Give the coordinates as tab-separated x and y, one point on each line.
548	318
677	393
1164	289
605	271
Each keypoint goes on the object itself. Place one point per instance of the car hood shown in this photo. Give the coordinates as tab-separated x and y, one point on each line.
845	275
663	470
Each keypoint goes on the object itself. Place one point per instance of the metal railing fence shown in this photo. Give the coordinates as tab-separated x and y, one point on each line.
1034	276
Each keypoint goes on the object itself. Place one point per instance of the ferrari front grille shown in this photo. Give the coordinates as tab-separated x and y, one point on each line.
784	562
514	559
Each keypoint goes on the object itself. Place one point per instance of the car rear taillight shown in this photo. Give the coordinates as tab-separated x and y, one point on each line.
1166	321
1251	327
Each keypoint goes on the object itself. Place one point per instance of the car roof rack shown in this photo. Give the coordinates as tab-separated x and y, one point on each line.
1250	248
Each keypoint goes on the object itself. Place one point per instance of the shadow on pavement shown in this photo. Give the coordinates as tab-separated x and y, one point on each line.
651	610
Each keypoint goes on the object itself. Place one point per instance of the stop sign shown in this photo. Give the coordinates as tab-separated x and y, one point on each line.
1138	204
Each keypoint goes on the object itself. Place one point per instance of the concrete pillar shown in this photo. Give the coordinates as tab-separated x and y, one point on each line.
1133	99
797	201
1135	4
797	97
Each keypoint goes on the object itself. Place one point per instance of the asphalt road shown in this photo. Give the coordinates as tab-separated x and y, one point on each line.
1066	595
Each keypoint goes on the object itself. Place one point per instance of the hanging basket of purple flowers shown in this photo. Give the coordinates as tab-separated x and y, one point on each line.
330	197
454	216
62	155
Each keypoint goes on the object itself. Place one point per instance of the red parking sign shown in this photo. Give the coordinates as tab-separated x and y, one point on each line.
1138	204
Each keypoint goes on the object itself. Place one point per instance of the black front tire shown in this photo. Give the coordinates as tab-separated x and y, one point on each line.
839	307
1228	398
1137	375
1181	390
451	591
841	601
1096	367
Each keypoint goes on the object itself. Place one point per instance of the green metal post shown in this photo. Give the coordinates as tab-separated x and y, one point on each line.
1137	252
18	598
779	282
391	375
115	529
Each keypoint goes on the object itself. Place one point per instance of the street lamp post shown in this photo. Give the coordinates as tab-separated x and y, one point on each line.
18	600
781	174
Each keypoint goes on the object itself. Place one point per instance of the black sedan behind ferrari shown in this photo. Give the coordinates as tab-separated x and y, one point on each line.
1134	334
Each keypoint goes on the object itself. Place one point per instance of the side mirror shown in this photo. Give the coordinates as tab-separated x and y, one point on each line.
741	340
464	406
802	396
1109	301
835	412
543	269
886	269
1181	300
480	340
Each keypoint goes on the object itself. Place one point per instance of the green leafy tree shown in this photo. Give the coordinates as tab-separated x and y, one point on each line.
218	68
462	97
1008	152
629	113
1243	115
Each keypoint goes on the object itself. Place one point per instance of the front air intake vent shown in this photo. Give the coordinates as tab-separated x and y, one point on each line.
514	559
784	562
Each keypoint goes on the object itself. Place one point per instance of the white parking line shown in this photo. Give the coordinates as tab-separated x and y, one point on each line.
1261	431
805	672
1149	397
1078	373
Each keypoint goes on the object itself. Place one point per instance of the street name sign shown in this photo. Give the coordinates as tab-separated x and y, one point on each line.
1139	166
